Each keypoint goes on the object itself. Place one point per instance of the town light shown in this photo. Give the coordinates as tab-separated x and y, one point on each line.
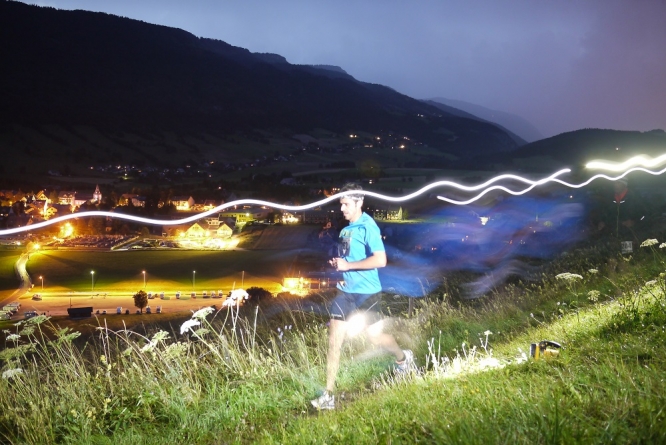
92	281
42	278
144	278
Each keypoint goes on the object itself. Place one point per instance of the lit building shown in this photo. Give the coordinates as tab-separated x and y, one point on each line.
183	203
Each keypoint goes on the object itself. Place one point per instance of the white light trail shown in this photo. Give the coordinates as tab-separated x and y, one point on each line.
192	218
551	178
486	186
641	160
499	187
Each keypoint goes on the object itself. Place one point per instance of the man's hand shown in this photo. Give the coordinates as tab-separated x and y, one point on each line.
374	261
339	264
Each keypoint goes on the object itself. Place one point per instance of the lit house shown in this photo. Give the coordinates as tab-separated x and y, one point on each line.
201	230
208	204
183	203
196	231
84	198
136	200
66	197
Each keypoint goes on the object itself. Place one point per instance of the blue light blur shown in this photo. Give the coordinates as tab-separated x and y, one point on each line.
494	242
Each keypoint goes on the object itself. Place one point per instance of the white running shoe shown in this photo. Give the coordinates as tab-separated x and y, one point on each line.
407	364
325	401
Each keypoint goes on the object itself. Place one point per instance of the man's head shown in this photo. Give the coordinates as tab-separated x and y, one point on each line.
351	204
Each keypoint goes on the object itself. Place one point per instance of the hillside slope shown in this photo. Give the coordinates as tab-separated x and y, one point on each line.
79	68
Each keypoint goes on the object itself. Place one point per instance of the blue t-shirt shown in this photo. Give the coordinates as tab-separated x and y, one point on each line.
358	241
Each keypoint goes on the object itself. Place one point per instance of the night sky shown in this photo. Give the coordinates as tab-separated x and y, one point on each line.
562	65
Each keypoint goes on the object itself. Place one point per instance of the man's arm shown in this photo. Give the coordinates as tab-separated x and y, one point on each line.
374	261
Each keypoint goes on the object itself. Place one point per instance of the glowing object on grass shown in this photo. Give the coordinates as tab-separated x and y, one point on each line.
641	160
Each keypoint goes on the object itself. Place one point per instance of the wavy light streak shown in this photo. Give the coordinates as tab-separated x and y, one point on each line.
551	178
486	186
641	160
192	218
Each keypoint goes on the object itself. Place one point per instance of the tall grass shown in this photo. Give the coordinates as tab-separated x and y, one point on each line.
225	377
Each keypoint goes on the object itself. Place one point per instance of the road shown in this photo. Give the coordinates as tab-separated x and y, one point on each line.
24	278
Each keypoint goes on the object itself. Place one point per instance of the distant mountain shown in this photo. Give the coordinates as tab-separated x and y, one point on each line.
114	74
456	112
511	122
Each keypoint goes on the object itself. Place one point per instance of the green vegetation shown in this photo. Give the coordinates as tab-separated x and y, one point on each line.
8	280
141	300
223	378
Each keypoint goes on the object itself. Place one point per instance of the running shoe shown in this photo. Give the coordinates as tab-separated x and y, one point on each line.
407	364
325	401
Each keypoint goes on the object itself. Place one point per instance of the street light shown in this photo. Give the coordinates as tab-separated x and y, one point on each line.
92	281
42	278
193	277
144	278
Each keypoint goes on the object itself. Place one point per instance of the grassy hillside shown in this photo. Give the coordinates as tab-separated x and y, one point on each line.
227	381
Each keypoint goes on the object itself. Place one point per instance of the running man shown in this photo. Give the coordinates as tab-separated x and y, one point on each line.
360	253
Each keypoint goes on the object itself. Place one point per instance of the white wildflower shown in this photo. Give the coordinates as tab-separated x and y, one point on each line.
13	337
38	319
202	313
662	245
27	330
175	350
593	295
160	336
569	276
11	373
487	333
189	324
593	271
651	283
148	346
649	242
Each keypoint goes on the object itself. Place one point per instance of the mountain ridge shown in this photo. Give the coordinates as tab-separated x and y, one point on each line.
114	73
514	123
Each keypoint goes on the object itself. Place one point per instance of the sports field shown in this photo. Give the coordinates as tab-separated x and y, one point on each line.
68	278
165	270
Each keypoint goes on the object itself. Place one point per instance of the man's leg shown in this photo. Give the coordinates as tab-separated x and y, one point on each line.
385	341
336	335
